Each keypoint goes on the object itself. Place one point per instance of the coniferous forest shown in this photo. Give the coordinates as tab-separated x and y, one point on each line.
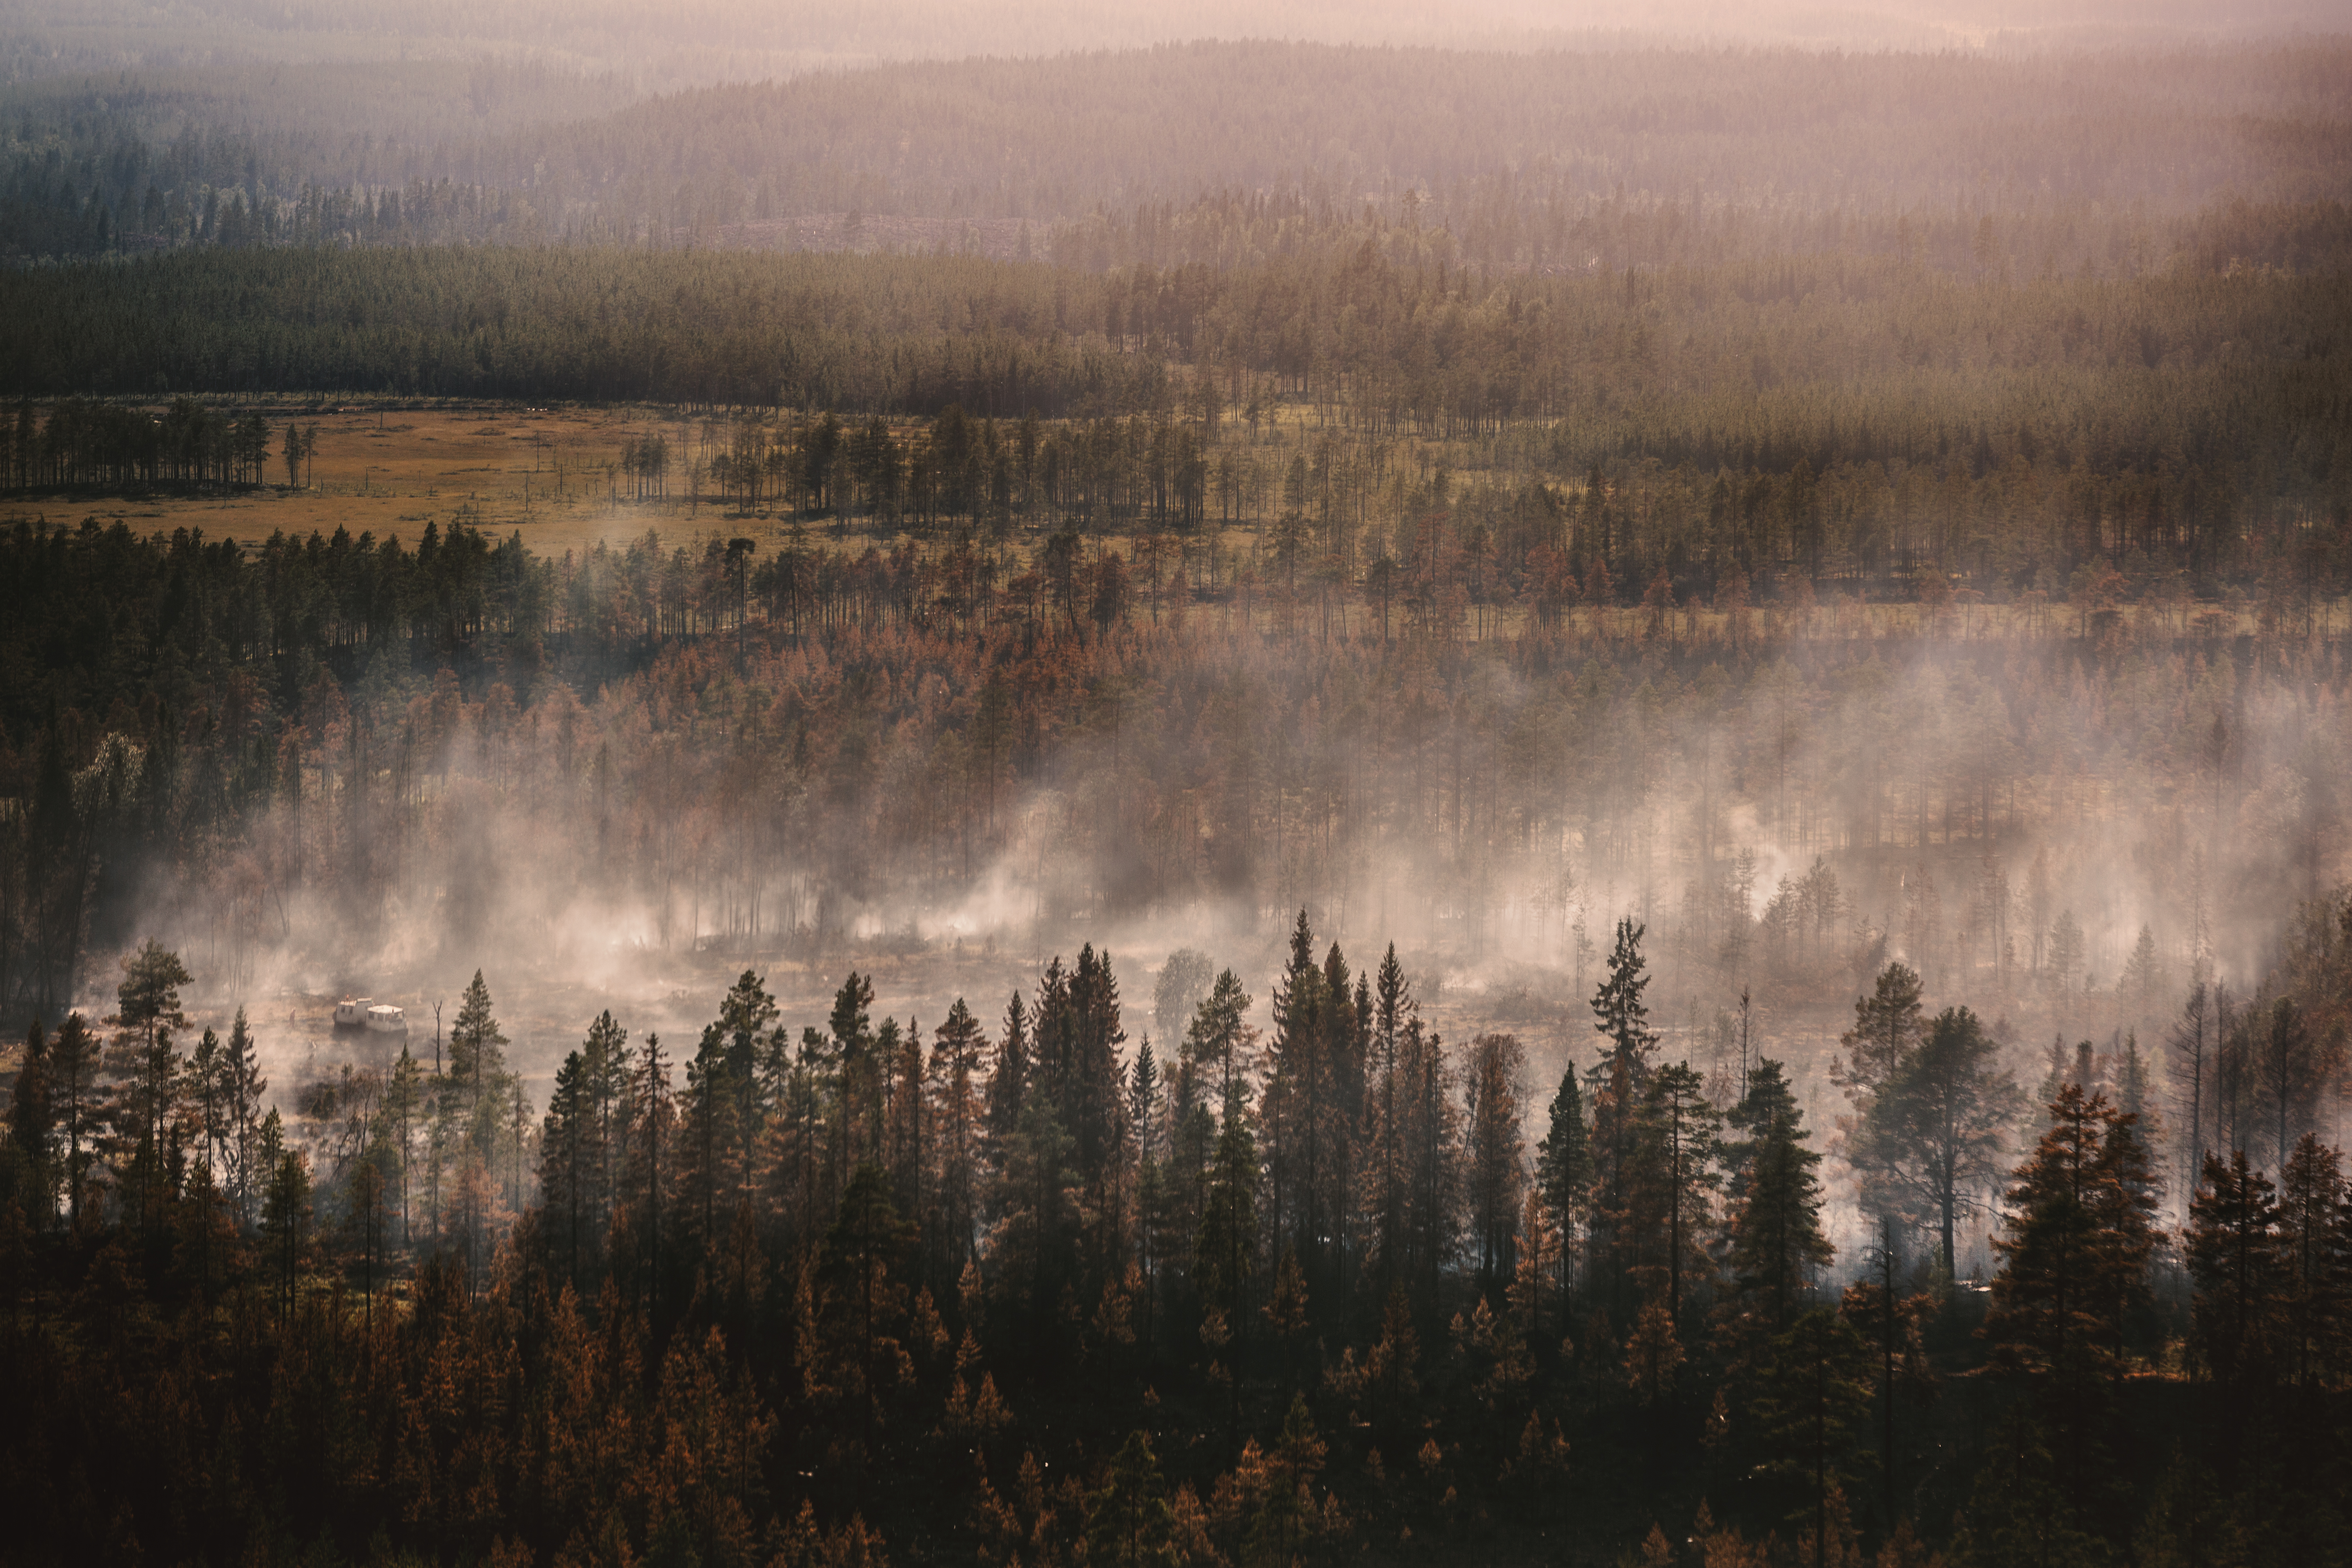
1484	787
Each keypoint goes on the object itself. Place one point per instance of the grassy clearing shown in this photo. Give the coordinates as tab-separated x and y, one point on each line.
389	472
555	475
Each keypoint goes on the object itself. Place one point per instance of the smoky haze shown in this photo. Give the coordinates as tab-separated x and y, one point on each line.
1997	335
1782	819
720	40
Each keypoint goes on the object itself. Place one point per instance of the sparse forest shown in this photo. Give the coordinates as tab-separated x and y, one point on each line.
1231	803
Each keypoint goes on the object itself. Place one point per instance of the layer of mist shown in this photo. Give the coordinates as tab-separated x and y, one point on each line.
725	40
2007	814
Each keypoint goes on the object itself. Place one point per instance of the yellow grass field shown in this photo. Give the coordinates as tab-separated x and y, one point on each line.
554	476
550	473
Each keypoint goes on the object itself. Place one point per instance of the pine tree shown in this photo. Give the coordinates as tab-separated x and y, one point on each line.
1143	1094
364	1219
2143	974
286	1219
1495	1156
1776	1236
1386	1105
1669	1178
1618	1081
1811	1396
2314	1266
1536	1293
1620	1015
747	1018
708	1108
866	1241
471	1106
403	1103
957	1114
73	1080
1224	1252
147	1071
910	1133
2230	1246
1431	1141
1766	1110
1888	1028
652	1112
605	1096
2191	1045
1564	1168
847	1066
1871	1305
2292	1072
2077	1233
1654	1354
1029	1250
567	1159
32	1131
1089	1074
1286	1518
1292	1111
1127	1518
241	1087
1929	1139
1008	1083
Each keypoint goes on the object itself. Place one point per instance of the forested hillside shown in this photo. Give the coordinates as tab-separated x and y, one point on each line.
2098	158
1857	426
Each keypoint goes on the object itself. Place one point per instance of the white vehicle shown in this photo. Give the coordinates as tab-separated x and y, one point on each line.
383	1019
351	1013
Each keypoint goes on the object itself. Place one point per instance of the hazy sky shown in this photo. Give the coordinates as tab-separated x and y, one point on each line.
710	39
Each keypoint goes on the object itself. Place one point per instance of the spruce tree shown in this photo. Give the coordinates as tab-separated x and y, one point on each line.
2315	1267
1127	1517
2077	1233
2230	1246
1811	1396
31	1133
1495	1156
1777	1242
1564	1167
74	1092
1621	1018
147	1071
566	1160
956	1089
1669	1178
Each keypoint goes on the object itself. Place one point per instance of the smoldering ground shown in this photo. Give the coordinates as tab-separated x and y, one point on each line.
1783	808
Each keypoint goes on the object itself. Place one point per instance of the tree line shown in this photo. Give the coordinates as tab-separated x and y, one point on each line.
251	750
1255	1296
1540	161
